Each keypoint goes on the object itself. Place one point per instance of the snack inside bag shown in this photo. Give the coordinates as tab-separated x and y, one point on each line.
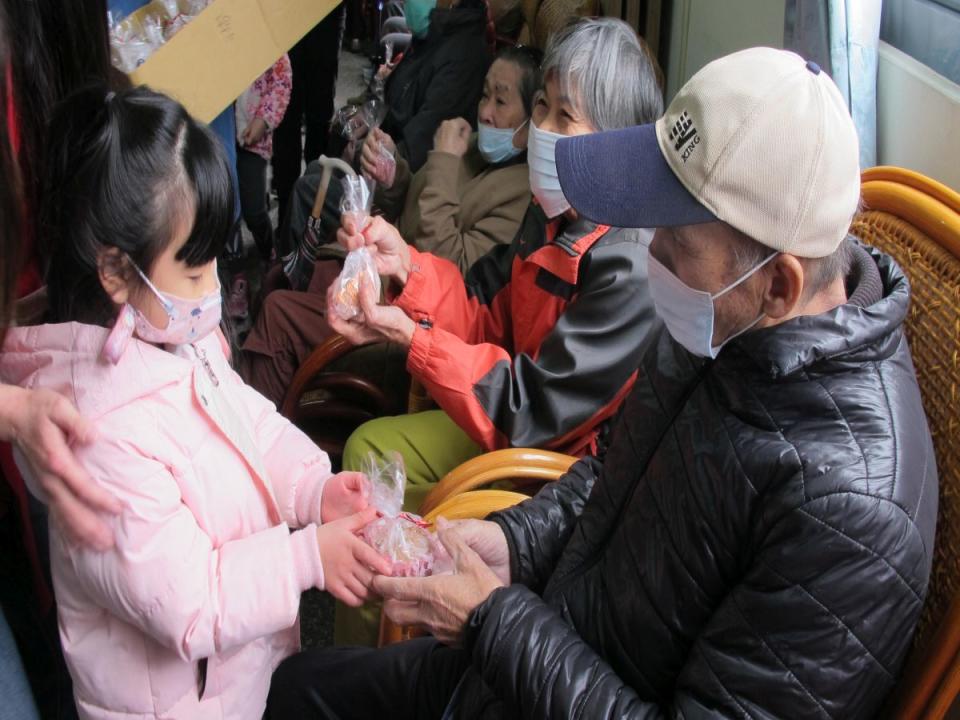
400	537
346	299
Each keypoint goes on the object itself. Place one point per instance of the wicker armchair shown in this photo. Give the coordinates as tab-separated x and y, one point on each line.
917	221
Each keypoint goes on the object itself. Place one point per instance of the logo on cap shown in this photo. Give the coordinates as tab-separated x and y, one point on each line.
684	135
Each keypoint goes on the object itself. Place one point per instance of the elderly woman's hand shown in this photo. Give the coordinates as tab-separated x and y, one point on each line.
441	603
376	323
371	160
40	423
453	137
383	240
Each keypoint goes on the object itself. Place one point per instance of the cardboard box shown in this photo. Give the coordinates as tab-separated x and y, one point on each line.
214	58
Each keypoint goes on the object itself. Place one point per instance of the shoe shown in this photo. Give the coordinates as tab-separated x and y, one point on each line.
238	304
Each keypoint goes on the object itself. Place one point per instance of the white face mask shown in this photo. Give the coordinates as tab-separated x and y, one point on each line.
544	183
496	144
689	313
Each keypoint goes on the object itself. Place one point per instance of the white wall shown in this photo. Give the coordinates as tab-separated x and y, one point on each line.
918	118
703	30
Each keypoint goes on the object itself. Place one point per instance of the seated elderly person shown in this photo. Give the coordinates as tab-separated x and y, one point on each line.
539	345
758	540
469	197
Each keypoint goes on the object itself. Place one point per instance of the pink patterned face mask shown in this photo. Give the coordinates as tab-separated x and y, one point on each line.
187	321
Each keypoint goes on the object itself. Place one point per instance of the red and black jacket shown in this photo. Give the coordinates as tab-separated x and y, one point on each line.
541	342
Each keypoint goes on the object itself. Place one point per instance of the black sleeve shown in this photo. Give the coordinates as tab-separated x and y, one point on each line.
817	626
538	529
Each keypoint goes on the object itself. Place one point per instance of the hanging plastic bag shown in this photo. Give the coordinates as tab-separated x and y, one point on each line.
402	538
386	169
357	200
359	263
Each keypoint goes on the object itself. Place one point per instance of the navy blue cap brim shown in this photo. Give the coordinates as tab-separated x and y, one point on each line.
620	178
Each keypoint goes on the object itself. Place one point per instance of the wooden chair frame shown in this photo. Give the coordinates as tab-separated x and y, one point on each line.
931	678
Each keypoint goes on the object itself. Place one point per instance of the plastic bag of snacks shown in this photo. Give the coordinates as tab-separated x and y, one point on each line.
386	165
359	263
400	537
357	201
134	39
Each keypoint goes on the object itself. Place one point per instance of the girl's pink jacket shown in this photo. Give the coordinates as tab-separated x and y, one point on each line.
196	605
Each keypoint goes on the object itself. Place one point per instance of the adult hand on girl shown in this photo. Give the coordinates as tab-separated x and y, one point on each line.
383	240
349	564
441	603
376	323
344	494
453	137
41	423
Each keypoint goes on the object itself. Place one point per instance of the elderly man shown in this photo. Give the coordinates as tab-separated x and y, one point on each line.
758	539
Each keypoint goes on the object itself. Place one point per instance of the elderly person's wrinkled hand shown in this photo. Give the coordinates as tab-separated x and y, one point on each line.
40	423
441	603
370	158
487	540
383	240
453	137
375	323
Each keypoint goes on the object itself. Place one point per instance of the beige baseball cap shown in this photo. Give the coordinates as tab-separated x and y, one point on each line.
760	139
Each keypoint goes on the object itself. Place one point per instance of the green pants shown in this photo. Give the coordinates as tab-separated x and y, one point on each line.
431	445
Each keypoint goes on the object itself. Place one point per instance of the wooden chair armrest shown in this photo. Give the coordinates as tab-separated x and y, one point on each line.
332	348
518	464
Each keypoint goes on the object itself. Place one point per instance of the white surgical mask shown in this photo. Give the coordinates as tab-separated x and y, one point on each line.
544	182
496	145
689	313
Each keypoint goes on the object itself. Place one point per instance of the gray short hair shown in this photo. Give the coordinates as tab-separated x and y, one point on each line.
606	71
819	272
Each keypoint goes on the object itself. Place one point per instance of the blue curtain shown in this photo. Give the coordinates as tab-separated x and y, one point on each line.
842	36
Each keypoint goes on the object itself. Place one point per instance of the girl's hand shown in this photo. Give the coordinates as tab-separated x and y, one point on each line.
383	240
41	423
349	564
254	132
344	494
376	323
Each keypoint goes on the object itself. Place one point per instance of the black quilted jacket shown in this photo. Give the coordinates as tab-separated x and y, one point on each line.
757	542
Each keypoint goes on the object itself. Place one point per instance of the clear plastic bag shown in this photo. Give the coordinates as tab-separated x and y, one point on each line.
136	38
357	200
359	263
400	537
386	165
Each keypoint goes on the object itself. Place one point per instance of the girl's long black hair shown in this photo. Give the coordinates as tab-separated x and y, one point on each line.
126	170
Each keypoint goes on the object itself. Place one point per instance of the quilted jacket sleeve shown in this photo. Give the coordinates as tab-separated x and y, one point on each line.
166	577
537	530
807	631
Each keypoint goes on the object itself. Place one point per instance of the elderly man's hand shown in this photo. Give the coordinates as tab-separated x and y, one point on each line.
441	603
376	323
41	423
487	540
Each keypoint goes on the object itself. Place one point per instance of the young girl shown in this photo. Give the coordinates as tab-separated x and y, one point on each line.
189	613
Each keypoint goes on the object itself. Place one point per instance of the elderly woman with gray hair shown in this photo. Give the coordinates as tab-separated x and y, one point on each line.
538	346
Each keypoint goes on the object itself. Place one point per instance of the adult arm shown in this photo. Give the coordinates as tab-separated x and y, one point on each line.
817	626
440	231
459	352
537	530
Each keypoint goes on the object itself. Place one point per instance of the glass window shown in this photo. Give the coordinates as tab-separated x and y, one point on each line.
929	30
